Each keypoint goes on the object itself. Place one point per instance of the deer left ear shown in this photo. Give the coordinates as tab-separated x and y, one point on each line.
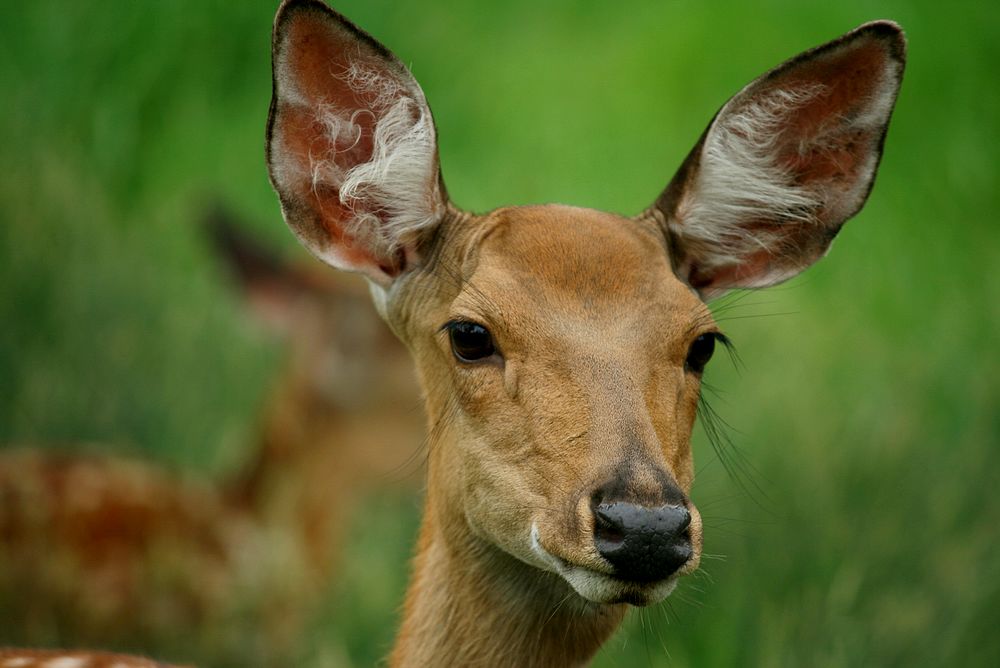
784	164
351	145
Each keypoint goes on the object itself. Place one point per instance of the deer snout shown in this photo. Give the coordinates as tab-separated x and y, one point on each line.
642	544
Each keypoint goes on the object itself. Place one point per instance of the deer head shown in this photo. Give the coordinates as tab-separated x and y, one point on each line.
561	349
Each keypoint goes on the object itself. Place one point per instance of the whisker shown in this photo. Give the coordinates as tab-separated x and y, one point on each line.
736	463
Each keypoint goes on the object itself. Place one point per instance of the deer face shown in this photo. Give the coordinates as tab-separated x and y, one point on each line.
562	361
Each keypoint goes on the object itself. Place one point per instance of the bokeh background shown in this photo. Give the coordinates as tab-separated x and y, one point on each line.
862	523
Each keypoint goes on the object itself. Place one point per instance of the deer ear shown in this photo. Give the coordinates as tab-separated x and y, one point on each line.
784	164
272	289
351	146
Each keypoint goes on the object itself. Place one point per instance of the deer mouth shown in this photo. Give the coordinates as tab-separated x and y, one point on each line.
602	586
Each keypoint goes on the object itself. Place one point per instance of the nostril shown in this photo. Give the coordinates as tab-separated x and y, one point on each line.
683	516
607	527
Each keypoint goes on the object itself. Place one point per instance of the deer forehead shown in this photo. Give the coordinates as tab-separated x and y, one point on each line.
570	273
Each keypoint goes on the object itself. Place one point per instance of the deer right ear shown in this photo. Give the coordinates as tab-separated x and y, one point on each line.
351	147
784	164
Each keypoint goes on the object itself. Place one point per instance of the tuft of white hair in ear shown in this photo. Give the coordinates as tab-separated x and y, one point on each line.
740	180
396	191
747	186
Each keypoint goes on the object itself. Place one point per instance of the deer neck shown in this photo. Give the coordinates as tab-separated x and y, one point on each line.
470	603
285	444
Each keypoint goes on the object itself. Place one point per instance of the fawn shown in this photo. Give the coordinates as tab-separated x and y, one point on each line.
103	550
26	658
560	349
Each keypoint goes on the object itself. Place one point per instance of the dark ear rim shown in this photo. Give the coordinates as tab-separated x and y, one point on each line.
885	31
890	32
286	11
404	257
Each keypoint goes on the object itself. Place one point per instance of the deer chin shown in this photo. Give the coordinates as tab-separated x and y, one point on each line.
598	587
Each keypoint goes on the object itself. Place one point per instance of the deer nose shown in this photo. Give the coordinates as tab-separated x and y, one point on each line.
643	544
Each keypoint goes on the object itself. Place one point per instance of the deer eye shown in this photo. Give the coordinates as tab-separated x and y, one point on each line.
470	341
700	352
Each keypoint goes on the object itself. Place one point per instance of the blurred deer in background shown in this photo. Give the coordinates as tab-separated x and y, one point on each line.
112	552
26	658
344	415
560	349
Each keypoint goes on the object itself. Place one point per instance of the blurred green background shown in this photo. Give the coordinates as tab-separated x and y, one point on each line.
867	404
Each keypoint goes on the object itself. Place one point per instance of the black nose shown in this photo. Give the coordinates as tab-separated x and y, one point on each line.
643	544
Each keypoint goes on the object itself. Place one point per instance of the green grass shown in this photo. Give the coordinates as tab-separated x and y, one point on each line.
869	405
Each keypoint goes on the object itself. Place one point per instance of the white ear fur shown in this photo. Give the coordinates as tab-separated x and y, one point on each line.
356	166
739	180
783	165
395	191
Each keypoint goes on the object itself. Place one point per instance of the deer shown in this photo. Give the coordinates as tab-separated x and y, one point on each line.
560	349
103	549
343	420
